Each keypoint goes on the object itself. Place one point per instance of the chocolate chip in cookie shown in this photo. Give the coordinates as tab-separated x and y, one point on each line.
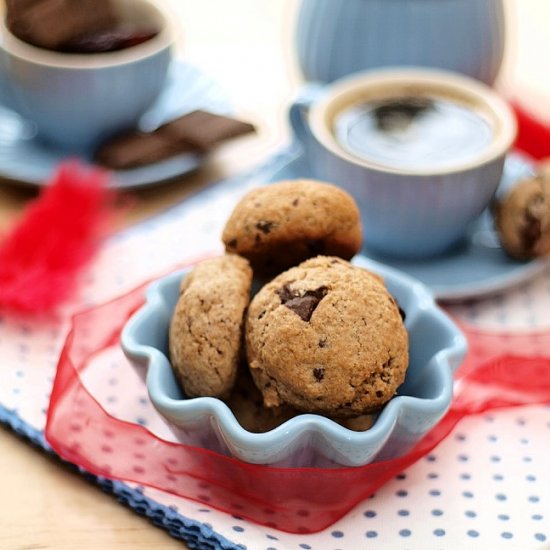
302	303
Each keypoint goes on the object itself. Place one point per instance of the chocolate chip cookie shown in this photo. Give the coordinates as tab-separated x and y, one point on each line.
326	337
522	218
246	403
206	328
282	224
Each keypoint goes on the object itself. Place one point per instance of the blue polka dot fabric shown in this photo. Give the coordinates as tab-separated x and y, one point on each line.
486	486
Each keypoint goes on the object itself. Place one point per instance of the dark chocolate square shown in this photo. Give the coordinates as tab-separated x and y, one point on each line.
135	149
197	132
203	130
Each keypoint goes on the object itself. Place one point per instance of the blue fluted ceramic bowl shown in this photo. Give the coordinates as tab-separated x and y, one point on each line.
437	347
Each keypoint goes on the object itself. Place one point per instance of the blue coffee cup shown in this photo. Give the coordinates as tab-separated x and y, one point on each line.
407	211
75	101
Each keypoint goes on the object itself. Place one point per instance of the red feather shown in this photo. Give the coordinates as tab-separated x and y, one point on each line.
533	135
58	234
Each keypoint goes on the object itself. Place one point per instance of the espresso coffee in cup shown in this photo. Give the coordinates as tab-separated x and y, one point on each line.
421	150
413	132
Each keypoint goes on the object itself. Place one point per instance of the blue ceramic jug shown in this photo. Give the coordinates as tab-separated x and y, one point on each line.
337	37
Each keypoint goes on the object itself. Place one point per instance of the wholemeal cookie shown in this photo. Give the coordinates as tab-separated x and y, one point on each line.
246	403
522	218
205	338
326	337
282	224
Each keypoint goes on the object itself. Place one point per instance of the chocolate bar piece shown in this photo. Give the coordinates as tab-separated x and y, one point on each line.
197	132
135	149
203	130
51	23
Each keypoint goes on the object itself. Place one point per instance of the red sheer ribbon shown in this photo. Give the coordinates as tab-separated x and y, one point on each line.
501	370
291	499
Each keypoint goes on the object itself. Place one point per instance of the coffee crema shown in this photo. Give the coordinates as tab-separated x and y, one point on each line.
416	132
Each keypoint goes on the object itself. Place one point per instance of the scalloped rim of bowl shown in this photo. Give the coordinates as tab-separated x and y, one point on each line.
244	444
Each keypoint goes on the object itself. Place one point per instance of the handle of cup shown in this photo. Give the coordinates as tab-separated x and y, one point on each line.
299	109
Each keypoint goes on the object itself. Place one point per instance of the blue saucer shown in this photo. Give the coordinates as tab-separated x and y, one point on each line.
476	268
25	160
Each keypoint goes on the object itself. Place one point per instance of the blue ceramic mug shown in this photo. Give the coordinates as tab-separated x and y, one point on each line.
335	38
77	100
415	210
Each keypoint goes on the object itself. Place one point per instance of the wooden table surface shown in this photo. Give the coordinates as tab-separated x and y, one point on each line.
247	48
